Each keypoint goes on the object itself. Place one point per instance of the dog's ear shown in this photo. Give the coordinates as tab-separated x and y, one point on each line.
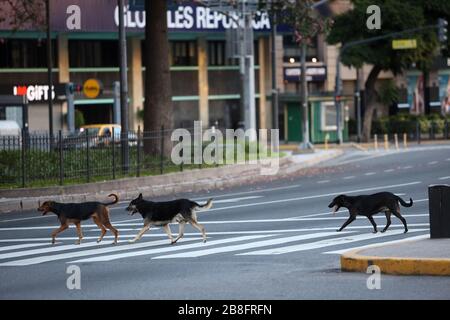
140	196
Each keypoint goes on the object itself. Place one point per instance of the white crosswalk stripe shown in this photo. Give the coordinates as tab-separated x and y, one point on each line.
237	243
62	256
323	243
264	243
22	246
173	248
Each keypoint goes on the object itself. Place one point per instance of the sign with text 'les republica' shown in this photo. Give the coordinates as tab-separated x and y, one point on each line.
103	16
403	44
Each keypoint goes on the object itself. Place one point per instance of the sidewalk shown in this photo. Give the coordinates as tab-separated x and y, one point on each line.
171	184
415	257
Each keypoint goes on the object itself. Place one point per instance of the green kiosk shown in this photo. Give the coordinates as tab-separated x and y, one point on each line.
322	118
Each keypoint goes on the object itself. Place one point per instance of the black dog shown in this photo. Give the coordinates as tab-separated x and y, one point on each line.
163	213
77	212
369	205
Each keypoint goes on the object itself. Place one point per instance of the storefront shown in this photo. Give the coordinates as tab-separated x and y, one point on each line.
205	82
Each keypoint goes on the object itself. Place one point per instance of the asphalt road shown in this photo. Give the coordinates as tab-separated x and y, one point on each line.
274	240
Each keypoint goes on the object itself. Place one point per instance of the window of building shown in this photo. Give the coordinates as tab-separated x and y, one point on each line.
93	53
216	53
293	52
25	53
328	116
183	53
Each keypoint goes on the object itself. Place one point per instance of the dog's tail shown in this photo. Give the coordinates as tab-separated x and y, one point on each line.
403	203
205	206
116	199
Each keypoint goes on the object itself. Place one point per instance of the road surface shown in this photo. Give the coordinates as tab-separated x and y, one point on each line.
274	240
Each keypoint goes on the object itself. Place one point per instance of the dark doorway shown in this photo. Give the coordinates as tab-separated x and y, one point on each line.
96	113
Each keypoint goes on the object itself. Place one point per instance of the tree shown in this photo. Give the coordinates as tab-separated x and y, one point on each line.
396	16
158	107
27	13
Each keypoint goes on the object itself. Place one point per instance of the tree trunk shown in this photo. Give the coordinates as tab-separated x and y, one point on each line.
158	109
370	102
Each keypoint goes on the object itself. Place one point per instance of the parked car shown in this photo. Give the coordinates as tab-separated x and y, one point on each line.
99	135
10	135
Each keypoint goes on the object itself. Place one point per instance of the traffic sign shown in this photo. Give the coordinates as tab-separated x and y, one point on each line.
402	44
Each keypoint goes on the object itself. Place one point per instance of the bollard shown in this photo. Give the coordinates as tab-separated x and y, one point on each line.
327	136
375	142
439	205
386	142
418	132
405	141
396	141
446	133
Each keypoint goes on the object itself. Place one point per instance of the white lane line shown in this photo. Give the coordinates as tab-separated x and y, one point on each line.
171	248
316	196
433	162
230	194
323	181
214	233
249	192
111	248
407	167
349	177
323	243
370	173
389	170
245	246
444	178
49	249
360	217
424	236
448	159
236	199
22	246
23	219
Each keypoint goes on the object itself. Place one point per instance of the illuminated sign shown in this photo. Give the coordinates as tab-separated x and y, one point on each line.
34	92
292	74
92	88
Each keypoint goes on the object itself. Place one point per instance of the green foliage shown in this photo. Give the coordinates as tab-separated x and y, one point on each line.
388	92
79	119
406	123
395	16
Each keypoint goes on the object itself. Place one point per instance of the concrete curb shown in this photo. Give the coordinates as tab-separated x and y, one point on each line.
196	180
354	262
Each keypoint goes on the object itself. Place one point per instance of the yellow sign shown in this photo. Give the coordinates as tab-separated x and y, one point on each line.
402	44
92	88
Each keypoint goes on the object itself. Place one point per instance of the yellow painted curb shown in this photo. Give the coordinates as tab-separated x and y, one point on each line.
352	261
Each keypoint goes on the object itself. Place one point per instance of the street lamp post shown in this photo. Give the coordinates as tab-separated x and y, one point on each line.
49	72
123	88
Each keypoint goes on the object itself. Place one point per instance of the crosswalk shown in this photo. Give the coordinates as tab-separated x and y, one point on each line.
239	244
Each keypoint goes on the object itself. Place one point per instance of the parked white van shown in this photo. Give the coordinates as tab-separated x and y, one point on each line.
9	128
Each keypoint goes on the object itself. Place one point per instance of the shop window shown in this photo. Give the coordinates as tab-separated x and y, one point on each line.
328	116
183	53
93	53
25	53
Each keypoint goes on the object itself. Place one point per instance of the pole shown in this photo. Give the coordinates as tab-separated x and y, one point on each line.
123	88
304	101
358	103
337	98
275	106
49	72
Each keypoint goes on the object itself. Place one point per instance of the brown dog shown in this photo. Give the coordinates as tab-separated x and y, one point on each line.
76	212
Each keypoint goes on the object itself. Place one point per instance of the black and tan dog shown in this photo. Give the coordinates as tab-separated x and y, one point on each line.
76	212
163	213
368	205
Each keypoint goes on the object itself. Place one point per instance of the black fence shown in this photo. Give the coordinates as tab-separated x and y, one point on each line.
38	159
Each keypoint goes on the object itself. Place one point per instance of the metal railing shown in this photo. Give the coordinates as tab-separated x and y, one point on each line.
38	159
